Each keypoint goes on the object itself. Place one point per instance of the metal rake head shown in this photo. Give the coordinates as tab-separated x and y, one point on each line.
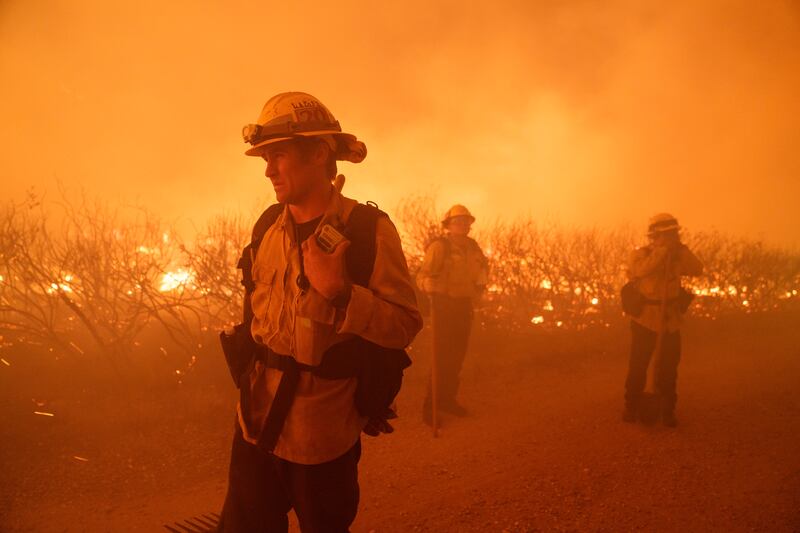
206	523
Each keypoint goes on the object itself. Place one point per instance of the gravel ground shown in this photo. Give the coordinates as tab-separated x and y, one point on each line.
543	450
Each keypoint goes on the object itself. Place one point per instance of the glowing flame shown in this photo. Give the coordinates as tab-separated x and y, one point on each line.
62	286
548	306
175	280
547	284
595	301
537	320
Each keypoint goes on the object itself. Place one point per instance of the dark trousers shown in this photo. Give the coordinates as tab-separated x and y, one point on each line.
643	342
262	488
452	321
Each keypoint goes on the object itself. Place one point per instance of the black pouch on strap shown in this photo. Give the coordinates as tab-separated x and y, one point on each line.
380	379
632	300
379	371
239	350
685	299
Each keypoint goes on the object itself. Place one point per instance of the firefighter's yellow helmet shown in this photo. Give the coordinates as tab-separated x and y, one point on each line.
662	222
457	210
295	114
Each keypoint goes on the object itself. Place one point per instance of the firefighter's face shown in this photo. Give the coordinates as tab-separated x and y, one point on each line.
293	173
666	238
459	225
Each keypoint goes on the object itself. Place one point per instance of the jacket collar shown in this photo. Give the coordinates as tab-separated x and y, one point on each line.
334	214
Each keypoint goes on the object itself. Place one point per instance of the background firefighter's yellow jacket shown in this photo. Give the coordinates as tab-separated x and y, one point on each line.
455	266
647	266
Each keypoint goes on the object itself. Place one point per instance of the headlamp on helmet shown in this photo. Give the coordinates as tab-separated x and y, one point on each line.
258	133
661	223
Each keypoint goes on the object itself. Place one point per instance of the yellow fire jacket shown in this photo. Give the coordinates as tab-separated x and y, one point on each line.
323	422
454	265
647	266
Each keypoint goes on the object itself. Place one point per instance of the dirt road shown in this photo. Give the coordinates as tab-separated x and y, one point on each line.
544	448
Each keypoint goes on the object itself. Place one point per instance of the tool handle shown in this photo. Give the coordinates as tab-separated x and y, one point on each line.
655	359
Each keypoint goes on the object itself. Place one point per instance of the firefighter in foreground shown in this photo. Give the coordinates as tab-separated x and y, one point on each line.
454	274
656	304
329	310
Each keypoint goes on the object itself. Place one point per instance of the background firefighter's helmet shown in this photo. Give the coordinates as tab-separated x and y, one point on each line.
662	222
457	210
293	114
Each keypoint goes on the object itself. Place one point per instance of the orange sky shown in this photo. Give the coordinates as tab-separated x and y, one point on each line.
583	112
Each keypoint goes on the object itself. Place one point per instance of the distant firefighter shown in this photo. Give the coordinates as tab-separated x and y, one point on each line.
454	274
656	303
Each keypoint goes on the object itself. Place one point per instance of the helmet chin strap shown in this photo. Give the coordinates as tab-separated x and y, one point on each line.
338	182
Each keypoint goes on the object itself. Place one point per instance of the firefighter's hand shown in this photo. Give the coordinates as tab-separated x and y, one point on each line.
375	426
325	272
668	241
670	249
659	252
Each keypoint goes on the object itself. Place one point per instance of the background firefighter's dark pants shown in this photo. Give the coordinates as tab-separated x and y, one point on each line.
262	488
643	342
452	320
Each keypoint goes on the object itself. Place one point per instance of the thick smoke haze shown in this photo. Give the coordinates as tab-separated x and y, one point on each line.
588	113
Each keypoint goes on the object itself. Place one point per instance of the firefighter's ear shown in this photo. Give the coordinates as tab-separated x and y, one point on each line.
322	152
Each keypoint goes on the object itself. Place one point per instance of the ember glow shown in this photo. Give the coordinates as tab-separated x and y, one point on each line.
64	285
176	280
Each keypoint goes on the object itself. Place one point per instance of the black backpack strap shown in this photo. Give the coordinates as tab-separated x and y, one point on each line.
245	264
264	222
240	348
379	370
361	231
